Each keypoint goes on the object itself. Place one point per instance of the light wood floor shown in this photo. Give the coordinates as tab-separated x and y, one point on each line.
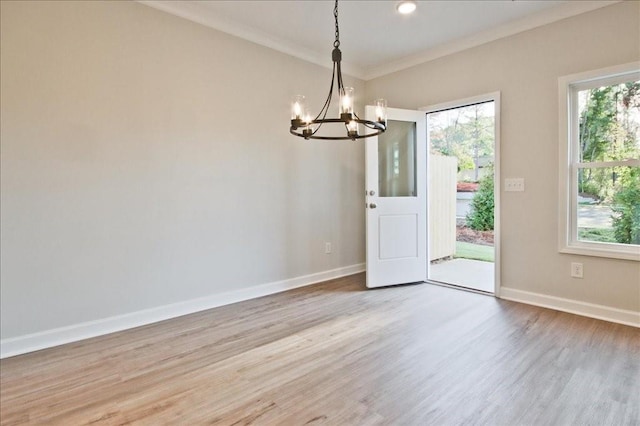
335	353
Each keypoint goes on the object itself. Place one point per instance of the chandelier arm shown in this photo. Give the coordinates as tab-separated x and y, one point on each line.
327	102
366	123
325	108
321	121
340	83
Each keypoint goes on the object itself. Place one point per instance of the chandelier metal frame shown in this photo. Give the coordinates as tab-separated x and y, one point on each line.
308	128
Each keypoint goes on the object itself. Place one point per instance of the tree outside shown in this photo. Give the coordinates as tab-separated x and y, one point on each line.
465	133
481	214
468	134
609	131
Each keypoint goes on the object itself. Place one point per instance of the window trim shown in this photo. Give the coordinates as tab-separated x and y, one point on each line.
568	145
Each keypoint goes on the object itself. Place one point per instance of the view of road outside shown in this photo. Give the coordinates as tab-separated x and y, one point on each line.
595	222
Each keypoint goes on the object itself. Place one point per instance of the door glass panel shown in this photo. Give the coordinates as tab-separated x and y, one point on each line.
397	160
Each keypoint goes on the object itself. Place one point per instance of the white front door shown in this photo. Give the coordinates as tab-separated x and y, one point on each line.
396	200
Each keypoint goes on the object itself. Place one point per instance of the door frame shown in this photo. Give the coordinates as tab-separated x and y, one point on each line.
487	97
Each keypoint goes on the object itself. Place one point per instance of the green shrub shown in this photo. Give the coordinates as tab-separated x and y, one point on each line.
480	217
626	212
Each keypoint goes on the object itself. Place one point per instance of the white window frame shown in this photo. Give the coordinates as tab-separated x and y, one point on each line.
568	87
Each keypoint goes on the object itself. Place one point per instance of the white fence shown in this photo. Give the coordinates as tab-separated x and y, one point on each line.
442	206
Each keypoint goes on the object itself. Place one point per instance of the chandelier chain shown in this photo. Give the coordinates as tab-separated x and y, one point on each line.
336	43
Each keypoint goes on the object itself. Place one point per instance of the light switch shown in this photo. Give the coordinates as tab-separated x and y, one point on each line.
514	185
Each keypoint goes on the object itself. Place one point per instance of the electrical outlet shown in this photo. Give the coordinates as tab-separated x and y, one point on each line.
514	185
327	248
576	270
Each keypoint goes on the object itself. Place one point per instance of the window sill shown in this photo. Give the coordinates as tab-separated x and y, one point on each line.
611	251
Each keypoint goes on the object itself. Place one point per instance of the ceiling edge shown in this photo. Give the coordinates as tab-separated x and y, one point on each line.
194	11
544	17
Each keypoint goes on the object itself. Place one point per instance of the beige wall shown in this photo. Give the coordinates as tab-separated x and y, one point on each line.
525	69
130	178
146	160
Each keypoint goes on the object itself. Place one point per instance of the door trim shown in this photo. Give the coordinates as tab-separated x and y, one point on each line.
488	97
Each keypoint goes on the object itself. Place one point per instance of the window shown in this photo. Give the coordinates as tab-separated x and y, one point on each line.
600	163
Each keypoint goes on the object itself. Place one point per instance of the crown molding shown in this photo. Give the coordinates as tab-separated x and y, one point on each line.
199	13
539	19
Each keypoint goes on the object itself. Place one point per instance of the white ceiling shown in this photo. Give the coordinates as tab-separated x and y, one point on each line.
375	39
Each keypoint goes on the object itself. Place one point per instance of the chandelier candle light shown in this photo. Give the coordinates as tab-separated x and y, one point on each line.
306	127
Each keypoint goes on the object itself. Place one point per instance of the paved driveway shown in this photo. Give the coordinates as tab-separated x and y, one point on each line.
592	216
589	216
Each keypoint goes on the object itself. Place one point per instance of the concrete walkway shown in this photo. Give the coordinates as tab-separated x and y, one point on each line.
465	273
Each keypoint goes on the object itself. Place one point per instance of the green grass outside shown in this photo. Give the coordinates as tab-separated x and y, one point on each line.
602	235
474	251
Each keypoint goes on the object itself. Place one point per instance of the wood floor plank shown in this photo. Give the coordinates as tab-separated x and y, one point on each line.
337	354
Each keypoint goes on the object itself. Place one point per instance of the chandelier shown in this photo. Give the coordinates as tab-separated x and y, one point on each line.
304	126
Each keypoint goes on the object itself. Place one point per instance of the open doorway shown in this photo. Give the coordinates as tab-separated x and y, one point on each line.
462	171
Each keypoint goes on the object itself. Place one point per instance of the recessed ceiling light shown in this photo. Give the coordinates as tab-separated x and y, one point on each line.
406	7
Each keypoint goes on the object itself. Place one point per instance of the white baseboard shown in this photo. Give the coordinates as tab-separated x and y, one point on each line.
591	310
73	333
